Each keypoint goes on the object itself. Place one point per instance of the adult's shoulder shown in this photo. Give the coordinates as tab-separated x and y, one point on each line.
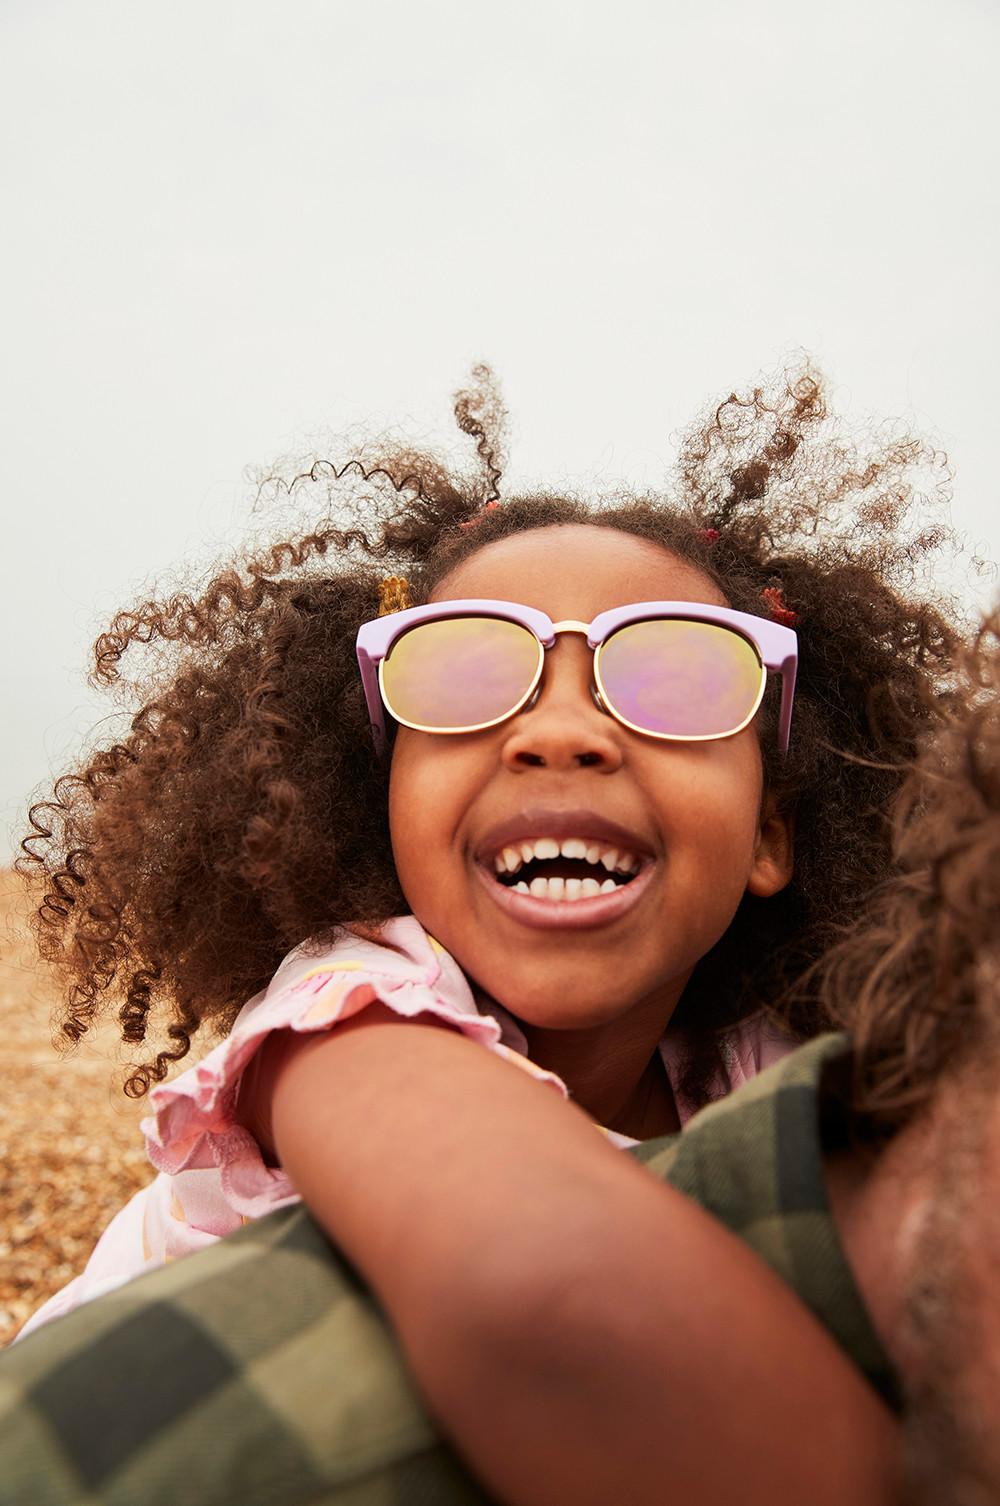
256	1370
755	1160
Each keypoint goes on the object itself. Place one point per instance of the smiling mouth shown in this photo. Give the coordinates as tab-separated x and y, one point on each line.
570	870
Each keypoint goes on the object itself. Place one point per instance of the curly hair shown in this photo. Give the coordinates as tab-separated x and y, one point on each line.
245	810
918	983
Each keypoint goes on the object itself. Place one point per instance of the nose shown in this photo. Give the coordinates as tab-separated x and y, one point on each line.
563	727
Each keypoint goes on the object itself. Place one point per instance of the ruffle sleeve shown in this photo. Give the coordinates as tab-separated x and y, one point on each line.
193	1124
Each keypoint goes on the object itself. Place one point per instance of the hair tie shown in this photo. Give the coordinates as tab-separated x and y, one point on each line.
778	608
393	595
708	535
486	507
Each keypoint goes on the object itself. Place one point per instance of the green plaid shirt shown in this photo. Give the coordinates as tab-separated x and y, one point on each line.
195	1386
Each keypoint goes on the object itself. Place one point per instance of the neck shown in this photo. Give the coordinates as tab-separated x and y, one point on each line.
613	1071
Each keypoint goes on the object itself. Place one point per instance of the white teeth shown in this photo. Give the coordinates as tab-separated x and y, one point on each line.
544	849
566	890
574	848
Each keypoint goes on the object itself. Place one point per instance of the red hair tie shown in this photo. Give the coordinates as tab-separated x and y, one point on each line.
708	535
486	507
778	608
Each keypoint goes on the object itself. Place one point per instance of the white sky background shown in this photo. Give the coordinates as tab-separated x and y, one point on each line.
230	225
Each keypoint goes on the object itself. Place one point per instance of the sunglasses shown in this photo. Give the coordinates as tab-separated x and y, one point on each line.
677	670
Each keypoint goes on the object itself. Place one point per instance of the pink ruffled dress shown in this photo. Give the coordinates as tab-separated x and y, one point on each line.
212	1176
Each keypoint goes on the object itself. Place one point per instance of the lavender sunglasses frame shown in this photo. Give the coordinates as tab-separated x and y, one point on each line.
776	645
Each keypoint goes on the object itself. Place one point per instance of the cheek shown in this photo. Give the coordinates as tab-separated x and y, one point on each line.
709	813
710	797
407	808
425	803
745	789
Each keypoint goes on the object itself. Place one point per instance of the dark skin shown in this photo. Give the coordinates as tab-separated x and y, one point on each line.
580	1331
562	1311
916	1219
593	1003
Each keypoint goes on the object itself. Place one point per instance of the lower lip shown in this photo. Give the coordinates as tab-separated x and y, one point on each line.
567	914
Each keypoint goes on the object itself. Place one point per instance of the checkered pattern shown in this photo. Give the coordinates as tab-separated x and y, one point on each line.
755	1161
192	1386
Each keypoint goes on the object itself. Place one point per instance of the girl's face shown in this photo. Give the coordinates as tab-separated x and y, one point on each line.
688	813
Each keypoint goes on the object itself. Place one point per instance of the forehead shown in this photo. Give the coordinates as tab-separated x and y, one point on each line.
575	571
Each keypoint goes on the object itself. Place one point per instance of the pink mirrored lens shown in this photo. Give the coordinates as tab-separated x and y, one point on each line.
459	672
685	679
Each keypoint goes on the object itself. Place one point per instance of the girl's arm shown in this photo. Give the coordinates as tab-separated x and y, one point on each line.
582	1332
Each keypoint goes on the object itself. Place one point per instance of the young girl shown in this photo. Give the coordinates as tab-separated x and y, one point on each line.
254	807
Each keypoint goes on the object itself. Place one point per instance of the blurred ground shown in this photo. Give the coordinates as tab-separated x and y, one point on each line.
70	1149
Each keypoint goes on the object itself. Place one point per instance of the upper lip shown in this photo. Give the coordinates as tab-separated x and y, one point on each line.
540	822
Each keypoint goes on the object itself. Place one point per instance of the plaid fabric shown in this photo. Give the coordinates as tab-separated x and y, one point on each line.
755	1161
193	1385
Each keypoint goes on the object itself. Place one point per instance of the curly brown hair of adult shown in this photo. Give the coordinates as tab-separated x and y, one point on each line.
918	983
244	811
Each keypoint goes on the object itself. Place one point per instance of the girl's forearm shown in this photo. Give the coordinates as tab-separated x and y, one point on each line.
580	1331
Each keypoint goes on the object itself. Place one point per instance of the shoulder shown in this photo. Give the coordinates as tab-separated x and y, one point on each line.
90	1410
756	1161
747	1127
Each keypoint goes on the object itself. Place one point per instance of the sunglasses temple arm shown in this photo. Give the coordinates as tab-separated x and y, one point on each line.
788	668
369	679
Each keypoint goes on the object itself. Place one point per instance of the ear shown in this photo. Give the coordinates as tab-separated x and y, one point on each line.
774	855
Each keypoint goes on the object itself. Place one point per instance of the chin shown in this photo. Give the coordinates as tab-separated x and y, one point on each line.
559	1007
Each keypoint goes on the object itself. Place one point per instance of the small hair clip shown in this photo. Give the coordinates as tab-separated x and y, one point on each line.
393	595
778	608
486	507
708	535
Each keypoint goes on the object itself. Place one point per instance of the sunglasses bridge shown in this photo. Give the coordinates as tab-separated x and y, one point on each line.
569	625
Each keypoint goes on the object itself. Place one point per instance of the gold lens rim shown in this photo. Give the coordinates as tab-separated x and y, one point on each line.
680	737
471	726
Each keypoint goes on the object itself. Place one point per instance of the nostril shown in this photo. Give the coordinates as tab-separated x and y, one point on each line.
587	760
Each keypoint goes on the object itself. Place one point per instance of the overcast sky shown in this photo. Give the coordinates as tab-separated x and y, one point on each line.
230	225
